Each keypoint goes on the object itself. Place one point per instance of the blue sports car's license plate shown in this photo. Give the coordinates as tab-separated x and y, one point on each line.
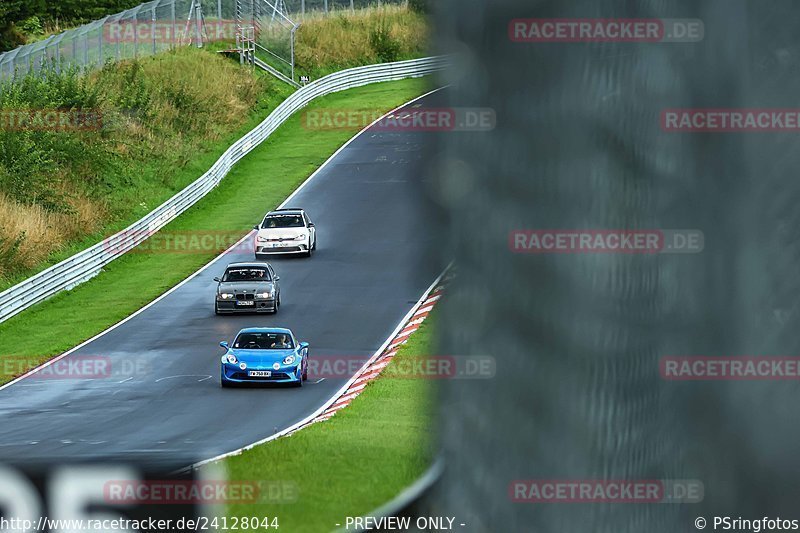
246	303
259	373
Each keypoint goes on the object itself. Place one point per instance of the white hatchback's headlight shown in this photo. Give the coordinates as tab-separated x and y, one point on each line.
225	295
289	360
262	239
231	358
300	237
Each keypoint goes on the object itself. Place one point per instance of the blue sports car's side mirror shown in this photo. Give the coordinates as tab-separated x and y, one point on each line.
224	344
303	345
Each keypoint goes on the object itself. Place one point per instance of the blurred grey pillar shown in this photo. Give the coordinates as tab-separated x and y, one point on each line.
578	338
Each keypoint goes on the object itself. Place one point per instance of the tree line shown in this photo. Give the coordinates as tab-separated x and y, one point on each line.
21	20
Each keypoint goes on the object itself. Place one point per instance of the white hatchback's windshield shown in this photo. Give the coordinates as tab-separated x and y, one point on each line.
283	221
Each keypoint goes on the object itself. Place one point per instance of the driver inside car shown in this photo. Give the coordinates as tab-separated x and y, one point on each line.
282	342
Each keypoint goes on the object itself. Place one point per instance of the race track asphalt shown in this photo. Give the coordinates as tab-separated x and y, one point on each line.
163	403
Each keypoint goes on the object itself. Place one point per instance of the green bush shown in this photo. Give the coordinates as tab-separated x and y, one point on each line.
383	44
32	26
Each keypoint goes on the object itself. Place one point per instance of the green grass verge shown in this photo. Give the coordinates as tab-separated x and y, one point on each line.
353	463
268	174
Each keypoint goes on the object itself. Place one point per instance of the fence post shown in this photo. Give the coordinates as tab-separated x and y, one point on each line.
219	9
174	36
303	7
153	30
100	42
294	29
352	5
326	6
136	35
198	13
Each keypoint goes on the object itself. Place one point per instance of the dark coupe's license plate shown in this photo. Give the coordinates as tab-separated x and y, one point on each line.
260	374
245	303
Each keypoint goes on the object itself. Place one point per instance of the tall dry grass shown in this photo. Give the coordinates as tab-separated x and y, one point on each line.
353	38
29	232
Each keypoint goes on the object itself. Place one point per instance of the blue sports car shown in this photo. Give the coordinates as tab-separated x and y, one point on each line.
264	355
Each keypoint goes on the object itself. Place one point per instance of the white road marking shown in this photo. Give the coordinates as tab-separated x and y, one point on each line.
204	376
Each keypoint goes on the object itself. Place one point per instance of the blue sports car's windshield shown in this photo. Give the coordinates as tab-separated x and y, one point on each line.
263	341
246	274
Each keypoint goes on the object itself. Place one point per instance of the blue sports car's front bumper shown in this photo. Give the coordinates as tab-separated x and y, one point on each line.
233	374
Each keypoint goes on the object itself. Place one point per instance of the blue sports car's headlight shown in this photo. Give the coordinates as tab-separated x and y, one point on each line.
289	360
230	358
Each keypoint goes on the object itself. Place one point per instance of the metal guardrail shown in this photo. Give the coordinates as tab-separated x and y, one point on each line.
88	263
260	63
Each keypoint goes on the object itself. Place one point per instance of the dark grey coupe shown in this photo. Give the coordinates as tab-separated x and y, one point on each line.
248	287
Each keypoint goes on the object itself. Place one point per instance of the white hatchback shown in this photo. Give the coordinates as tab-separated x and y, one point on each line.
285	231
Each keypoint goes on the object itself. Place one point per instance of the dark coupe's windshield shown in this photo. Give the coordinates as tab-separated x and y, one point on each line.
263	341
283	221
246	274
